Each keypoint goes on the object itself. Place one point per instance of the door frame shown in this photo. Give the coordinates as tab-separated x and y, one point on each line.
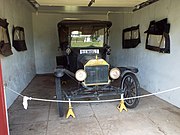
3	110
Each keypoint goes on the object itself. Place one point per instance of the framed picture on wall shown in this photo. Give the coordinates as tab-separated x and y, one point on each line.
5	44
19	39
131	37
158	36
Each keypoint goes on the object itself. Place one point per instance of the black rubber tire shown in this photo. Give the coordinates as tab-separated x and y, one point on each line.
130	86
59	96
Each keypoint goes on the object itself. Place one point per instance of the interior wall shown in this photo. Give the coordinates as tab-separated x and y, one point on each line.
46	41
19	68
157	71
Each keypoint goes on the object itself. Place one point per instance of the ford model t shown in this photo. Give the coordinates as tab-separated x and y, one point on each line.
85	60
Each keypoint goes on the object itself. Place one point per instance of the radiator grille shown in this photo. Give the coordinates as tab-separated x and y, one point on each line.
97	74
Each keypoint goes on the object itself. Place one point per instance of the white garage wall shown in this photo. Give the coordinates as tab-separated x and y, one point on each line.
46	39
19	68
157	71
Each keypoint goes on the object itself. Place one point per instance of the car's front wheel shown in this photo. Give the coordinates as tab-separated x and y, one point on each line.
131	88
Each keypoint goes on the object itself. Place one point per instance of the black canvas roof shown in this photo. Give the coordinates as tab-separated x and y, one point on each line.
93	23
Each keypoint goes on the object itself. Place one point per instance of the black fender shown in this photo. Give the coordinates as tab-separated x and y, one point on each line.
58	74
125	70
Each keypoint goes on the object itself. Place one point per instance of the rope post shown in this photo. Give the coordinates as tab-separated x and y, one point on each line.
70	111
121	105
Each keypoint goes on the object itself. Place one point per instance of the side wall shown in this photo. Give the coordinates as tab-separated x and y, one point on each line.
46	39
157	71
19	68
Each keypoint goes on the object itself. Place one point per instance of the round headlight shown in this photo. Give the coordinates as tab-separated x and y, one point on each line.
80	75
115	73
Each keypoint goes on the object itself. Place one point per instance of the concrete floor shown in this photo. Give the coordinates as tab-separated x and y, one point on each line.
152	116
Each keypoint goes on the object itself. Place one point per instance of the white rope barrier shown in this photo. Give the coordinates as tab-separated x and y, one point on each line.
26	98
17	93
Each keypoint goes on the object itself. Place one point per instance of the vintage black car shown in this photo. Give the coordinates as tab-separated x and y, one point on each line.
85	59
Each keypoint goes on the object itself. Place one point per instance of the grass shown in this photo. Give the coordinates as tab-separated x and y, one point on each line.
86	44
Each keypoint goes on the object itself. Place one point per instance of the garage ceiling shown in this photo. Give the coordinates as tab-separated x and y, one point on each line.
81	6
98	3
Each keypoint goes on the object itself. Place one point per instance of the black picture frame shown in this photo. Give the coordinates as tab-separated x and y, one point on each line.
158	38
131	37
5	44
19	39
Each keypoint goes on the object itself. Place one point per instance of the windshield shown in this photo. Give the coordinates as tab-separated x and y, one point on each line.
86	38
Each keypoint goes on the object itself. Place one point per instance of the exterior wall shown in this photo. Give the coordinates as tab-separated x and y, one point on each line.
46	39
157	71
19	68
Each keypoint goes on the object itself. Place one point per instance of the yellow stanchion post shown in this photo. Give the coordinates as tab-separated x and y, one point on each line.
70	111
121	105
